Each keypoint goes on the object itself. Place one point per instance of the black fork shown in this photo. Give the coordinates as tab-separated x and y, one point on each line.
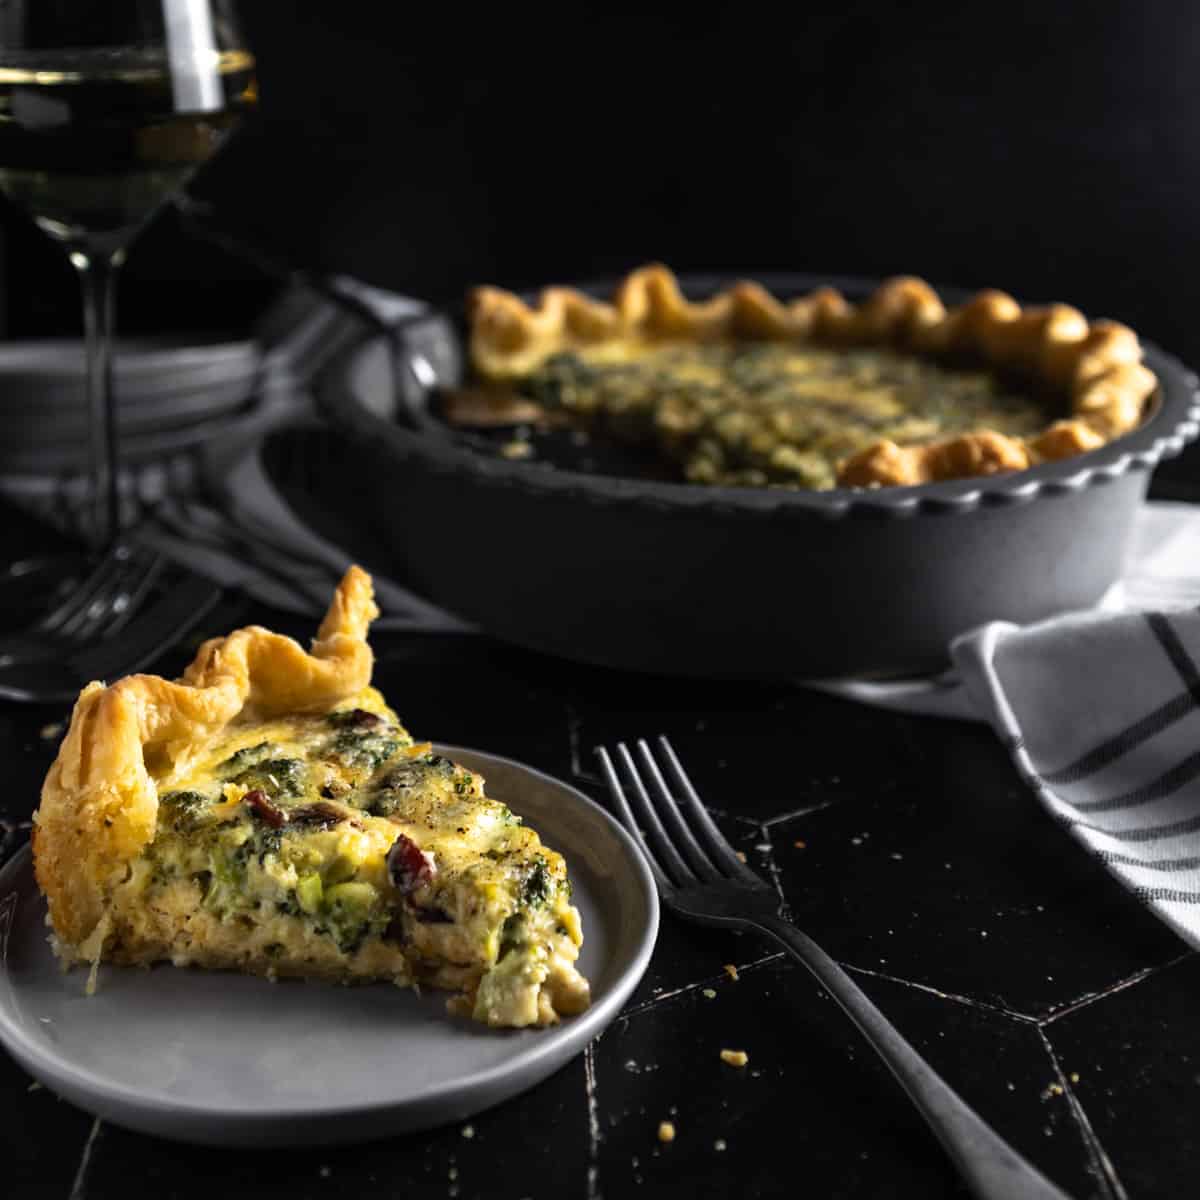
700	878
100	606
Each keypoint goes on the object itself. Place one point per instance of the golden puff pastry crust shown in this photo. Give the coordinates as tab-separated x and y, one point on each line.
1095	366
99	803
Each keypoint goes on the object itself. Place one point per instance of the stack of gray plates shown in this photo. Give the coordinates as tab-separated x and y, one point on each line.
172	394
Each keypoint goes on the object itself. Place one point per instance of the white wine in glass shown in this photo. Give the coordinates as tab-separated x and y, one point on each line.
105	111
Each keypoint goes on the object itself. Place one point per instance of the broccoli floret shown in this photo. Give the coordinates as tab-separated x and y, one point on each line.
229	867
183	810
268	841
363	751
226	892
245	757
346	912
512	934
275	776
538	884
402	780
351	911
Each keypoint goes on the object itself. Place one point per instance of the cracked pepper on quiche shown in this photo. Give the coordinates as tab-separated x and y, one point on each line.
744	389
267	812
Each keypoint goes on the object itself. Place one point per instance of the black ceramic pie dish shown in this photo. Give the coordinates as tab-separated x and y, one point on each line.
653	575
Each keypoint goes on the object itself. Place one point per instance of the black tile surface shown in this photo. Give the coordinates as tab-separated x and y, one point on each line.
907	846
958	880
497	1153
815	1103
1135	1065
42	1136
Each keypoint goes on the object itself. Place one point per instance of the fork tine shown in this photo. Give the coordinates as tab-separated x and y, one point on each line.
84	623
77	602
673	865
718	849
668	809
150	568
627	818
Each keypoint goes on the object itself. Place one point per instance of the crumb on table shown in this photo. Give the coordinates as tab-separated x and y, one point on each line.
731	971
666	1131
735	1058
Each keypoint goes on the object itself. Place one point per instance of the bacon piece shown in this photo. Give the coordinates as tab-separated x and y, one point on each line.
320	814
408	865
264	810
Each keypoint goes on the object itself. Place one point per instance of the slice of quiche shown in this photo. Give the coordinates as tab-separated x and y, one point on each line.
268	812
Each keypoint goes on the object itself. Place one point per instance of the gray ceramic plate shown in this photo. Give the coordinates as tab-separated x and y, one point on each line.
230	1059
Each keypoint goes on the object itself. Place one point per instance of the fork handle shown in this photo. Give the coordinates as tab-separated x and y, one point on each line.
991	1167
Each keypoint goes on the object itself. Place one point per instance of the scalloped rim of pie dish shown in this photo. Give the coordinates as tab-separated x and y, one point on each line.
1095	365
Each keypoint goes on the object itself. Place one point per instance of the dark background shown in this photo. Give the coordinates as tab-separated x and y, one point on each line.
1048	149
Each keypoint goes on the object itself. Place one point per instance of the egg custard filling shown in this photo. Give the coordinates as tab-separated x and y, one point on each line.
334	843
320	840
759	413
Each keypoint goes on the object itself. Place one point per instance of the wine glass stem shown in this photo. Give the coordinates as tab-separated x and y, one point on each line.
98	280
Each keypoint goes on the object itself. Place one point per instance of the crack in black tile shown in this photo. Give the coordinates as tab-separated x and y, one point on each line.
966	1001
79	1186
593	1111
1099	1164
1088	998
707	981
804	811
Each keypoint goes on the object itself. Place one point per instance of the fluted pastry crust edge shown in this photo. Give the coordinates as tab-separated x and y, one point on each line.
99	802
1096	364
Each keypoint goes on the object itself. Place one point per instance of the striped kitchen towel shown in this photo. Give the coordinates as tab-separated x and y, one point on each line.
1101	712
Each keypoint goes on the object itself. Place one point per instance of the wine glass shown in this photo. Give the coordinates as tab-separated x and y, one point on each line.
106	109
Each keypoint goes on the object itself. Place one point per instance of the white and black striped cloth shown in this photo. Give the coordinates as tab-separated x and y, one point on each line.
1101	712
